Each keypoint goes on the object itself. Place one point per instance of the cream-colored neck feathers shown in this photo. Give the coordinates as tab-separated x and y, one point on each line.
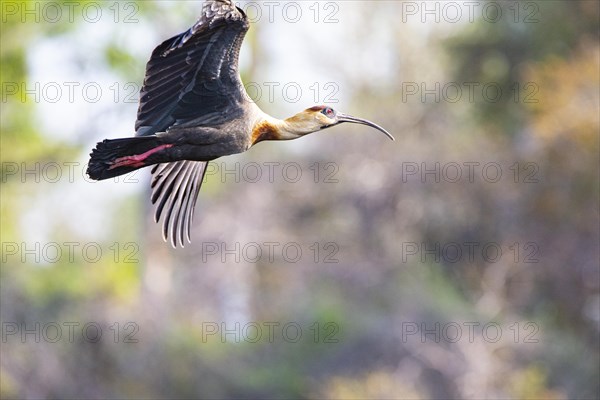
301	124
270	128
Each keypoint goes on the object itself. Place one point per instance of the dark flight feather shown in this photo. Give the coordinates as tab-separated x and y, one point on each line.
191	77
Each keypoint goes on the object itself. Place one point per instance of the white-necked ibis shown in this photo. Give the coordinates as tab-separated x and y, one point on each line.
193	109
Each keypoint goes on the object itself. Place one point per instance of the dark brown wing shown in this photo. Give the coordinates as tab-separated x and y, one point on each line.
191	78
194	75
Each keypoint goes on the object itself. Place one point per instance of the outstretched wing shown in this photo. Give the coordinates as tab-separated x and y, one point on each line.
192	78
194	75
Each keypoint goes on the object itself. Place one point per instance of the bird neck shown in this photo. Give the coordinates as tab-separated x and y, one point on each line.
270	128
298	126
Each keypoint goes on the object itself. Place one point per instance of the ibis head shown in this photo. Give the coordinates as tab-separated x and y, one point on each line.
318	118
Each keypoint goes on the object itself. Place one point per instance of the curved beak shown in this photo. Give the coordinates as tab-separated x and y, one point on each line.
354	120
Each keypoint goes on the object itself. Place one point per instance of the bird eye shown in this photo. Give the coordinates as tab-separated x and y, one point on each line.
329	113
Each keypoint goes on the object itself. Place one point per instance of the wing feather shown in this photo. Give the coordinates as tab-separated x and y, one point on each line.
175	229
175	188
195	72
192	77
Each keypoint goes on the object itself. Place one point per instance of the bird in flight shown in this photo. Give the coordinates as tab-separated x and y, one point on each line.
193	109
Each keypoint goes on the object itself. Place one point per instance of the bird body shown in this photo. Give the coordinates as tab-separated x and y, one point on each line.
193	109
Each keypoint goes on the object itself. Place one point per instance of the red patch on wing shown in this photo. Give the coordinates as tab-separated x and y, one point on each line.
137	161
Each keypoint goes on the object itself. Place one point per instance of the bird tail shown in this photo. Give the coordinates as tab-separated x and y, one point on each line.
116	157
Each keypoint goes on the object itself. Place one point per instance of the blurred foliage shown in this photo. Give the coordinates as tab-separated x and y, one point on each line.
370	213
499	52
570	111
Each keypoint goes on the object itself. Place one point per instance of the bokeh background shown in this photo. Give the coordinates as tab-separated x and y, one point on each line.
460	261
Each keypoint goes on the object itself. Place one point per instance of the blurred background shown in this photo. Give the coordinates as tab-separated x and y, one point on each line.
460	261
